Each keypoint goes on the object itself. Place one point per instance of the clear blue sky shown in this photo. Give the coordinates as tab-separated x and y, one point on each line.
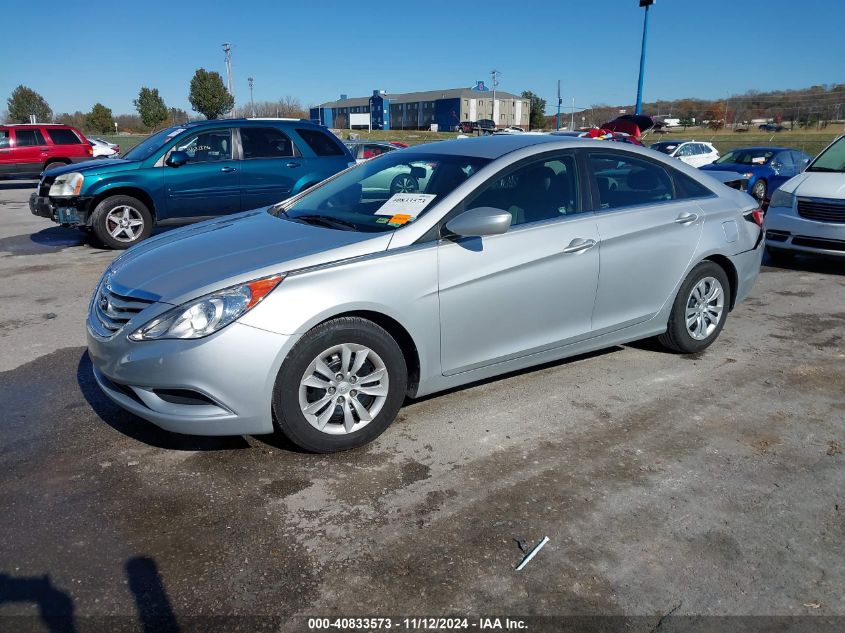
77	54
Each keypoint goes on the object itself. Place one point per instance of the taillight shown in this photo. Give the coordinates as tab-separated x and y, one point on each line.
756	216
89	150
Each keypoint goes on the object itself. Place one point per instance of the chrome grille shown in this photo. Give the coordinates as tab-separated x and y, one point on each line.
822	209
111	311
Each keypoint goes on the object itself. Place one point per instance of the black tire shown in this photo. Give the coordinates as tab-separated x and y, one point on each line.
288	413
404	183
104	227
760	190
678	338
55	163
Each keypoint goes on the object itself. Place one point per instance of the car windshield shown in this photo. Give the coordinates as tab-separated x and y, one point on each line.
147	148
666	148
747	157
384	193
832	159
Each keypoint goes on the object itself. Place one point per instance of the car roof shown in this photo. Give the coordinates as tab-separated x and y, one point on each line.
669	142
495	146
243	121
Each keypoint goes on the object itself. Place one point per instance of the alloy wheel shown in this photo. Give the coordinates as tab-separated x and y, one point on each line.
343	389
705	305
124	223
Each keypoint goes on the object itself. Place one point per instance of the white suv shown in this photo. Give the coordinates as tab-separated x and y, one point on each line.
695	153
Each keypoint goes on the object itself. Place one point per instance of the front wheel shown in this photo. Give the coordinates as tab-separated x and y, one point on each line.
759	190
341	386
121	221
699	311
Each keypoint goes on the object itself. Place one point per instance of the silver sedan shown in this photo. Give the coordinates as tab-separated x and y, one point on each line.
320	315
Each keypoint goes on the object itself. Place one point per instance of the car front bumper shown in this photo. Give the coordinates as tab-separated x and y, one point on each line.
790	232
218	385
72	211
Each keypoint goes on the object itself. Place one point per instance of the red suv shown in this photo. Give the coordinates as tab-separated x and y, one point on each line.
33	148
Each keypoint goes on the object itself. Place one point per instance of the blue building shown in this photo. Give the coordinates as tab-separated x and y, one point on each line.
420	110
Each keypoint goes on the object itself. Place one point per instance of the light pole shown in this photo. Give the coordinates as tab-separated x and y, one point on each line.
227	51
251	102
639	108
494	74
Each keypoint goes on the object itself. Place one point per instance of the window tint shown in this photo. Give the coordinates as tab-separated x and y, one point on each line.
28	138
206	147
625	181
371	150
541	190
690	187
785	159
265	142
63	136
4	139
320	143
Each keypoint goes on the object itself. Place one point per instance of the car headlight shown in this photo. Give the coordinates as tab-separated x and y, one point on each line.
208	314
781	198
748	174
67	185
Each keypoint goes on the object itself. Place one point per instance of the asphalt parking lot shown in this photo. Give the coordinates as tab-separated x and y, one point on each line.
699	485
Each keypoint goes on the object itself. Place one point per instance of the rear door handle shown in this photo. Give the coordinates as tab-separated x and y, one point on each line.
686	218
579	245
291	165
227	170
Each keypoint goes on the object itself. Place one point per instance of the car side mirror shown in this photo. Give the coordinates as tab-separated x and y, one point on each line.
480	222
177	158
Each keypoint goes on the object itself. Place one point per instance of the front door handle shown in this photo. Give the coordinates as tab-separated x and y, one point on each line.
686	218
291	165
227	170
579	245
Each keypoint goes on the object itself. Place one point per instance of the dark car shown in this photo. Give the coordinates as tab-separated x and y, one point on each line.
765	168
770	127
29	149
484	125
188	173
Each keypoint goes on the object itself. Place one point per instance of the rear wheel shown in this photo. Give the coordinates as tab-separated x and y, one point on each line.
121	221
341	386
699	311
55	163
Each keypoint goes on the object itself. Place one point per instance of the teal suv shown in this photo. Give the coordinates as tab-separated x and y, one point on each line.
189	173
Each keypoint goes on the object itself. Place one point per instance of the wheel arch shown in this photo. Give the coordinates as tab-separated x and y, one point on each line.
399	333
730	270
134	192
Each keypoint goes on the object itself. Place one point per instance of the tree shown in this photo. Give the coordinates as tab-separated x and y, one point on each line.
100	119
537	119
686	120
208	95
715	116
151	107
24	102
77	119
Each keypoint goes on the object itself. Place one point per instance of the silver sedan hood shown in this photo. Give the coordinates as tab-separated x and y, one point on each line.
189	262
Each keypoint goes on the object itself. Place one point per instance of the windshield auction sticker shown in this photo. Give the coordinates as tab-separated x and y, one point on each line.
410	204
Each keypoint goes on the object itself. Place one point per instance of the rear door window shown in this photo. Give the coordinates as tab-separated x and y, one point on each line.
626	181
63	136
5	141
28	138
266	142
320	143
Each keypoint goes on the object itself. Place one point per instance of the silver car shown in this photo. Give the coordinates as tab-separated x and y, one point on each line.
320	315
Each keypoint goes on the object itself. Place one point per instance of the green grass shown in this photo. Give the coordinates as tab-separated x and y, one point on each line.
808	141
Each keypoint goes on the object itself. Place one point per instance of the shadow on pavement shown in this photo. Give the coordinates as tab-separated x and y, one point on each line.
154	609
18	184
139	429
55	607
805	264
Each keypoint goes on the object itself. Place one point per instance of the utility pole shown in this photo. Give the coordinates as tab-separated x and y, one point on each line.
646	4
251	82
559	100
572	117
494	74
227	51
